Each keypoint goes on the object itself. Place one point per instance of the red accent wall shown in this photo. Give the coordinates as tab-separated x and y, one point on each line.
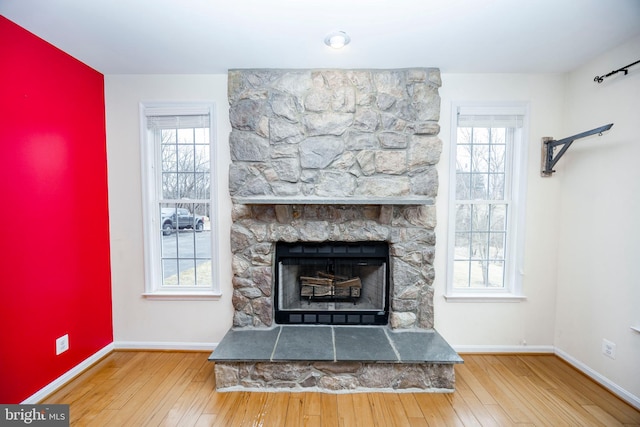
54	225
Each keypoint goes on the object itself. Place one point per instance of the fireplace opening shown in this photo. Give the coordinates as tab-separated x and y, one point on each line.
332	283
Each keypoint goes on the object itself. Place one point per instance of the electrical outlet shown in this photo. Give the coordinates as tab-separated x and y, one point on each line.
62	344
608	349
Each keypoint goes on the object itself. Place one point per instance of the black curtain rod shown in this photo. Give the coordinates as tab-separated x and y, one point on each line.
599	79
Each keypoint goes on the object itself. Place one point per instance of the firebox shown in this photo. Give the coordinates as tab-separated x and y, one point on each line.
332	283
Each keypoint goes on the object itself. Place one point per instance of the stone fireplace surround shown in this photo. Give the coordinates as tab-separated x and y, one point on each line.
407	229
333	156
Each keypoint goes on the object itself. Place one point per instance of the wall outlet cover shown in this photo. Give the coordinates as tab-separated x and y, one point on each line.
608	349
62	344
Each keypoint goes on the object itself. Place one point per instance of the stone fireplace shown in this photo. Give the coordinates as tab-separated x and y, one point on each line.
334	156
333	160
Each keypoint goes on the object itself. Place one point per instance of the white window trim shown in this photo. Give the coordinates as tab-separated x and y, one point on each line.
512	292
153	289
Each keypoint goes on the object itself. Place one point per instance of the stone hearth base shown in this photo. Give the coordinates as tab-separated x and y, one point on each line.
335	377
334	359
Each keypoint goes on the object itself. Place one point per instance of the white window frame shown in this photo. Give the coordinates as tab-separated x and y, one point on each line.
151	218
517	172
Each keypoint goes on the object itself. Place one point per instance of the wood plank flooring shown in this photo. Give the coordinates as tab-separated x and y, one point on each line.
146	388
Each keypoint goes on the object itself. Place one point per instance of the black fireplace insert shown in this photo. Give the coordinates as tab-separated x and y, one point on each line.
332	283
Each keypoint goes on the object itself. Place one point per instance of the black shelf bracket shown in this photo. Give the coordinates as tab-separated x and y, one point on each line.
550	158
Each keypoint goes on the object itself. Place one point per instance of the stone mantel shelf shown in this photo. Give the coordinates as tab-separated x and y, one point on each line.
331	201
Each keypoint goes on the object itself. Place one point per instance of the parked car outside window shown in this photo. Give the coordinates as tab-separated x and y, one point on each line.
179	219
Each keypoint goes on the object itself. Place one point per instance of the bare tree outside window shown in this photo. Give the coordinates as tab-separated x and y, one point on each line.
186	166
481	208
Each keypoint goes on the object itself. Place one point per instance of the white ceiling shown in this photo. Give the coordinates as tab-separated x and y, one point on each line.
212	36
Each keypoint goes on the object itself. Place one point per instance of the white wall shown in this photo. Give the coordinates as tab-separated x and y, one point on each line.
484	325
463	324
599	241
135	318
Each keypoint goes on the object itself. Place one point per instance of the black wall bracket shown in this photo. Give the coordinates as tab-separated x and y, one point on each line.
550	158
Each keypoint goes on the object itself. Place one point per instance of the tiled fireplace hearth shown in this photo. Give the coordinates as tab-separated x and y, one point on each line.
334	159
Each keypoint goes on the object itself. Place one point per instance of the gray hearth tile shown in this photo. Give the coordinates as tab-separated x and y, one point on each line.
246	345
316	343
304	343
423	346
364	344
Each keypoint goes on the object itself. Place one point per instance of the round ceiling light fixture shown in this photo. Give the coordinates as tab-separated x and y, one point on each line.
337	39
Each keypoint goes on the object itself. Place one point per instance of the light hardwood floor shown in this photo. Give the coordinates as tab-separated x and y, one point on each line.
139	388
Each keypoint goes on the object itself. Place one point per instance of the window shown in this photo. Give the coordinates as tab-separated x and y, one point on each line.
179	205
487	184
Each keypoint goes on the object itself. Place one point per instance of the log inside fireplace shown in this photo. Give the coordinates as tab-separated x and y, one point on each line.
330	287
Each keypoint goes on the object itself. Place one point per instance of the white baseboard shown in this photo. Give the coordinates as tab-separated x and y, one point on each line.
504	349
605	382
489	349
175	346
68	376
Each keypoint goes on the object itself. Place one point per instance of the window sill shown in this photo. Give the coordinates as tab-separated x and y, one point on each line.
475	297
186	296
